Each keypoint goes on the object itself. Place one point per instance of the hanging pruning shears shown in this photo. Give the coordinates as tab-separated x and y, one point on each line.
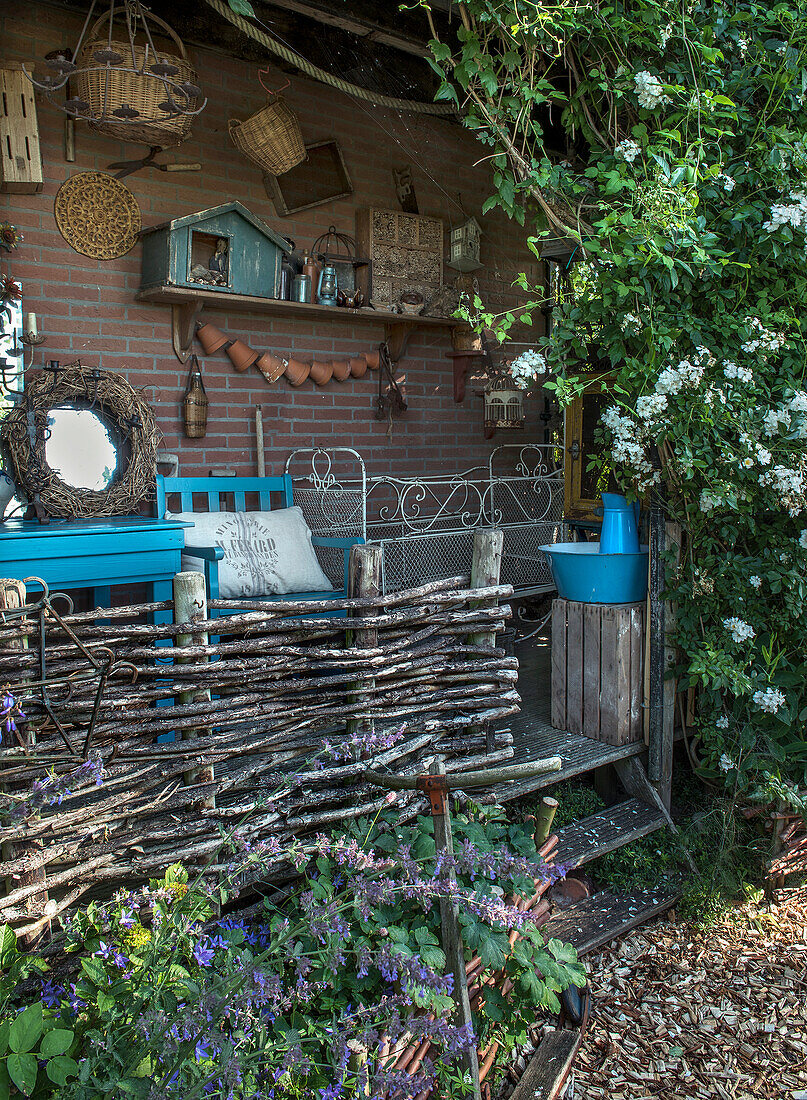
129	166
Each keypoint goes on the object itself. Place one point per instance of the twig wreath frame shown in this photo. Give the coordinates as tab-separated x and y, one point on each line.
124	411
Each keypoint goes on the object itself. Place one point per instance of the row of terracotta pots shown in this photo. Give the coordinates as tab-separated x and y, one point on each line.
271	366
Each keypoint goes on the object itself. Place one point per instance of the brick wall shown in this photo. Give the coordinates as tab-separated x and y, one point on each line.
88	309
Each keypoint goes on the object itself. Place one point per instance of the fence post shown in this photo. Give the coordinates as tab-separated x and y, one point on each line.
12	597
190	603
660	738
364	580
486	564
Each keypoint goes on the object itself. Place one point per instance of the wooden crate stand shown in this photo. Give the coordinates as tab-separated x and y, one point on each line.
598	670
20	159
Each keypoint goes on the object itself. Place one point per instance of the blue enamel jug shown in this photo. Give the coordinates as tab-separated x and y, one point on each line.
620	529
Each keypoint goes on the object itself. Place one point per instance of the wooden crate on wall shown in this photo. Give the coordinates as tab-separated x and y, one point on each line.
406	254
20	159
598	670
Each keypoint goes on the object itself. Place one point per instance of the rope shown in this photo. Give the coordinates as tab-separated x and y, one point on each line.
320	74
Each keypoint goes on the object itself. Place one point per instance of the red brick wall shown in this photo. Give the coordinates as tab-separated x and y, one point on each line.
87	308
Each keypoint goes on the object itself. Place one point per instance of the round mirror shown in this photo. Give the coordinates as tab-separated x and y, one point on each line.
79	448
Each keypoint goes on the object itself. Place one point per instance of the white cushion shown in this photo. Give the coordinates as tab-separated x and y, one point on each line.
265	553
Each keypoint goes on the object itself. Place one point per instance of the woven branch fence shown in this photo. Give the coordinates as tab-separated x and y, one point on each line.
198	720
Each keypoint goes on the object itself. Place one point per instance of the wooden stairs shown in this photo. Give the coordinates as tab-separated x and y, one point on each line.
595	921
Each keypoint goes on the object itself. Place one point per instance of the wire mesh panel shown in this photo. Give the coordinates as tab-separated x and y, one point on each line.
330	486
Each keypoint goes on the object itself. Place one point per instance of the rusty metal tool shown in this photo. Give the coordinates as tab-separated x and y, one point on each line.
127	167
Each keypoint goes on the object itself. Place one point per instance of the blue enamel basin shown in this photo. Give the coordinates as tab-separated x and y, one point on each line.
582	573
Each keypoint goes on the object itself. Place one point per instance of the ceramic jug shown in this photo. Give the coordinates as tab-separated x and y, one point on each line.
620	530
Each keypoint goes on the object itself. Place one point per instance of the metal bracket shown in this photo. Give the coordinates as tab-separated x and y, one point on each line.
436	787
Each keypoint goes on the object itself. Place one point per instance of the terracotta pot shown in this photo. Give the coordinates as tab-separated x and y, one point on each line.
373	359
241	355
211	338
297	372
271	366
321	371
463	338
358	367
341	369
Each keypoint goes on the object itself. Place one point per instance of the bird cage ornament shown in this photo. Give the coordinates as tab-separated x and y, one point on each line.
504	403
463	246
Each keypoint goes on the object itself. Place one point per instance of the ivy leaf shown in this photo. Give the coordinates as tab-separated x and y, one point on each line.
59	1069
55	1042
22	1070
25	1031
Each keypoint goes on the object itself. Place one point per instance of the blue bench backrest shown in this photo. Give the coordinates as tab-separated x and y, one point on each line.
217	489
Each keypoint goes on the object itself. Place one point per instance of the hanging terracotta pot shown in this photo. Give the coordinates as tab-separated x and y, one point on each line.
297	372
358	367
373	359
321	371
241	355
211	338
341	369
271	366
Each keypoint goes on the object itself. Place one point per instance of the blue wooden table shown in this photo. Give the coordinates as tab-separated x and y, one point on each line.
94	553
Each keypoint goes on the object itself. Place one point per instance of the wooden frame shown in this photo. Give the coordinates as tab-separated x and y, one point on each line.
576	506
275	184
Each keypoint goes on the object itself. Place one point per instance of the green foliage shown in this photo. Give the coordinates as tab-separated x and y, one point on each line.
679	176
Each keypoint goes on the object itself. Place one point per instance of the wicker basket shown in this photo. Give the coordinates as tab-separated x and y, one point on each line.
108	89
271	138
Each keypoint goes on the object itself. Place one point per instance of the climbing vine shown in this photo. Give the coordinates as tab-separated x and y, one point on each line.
668	144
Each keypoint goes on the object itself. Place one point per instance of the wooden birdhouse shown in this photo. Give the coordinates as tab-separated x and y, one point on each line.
463	246
504	403
225	248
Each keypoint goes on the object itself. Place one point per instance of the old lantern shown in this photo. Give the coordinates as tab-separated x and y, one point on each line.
464	246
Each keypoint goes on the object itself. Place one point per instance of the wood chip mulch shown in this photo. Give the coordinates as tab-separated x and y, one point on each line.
685	1015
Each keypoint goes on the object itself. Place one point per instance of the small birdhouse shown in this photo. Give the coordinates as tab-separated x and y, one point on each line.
225	248
463	246
504	403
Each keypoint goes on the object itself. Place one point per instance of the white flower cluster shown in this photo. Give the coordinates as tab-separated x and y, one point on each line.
632	323
687	375
649	90
797	406
742	374
709	500
769	700
627	150
762	339
792	212
788	486
629	448
729	182
739	630
722	723
764	456
651	406
803	539
773	418
525	369
755	581
726	764
665	34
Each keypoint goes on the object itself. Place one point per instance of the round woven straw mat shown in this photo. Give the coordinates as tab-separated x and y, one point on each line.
97	215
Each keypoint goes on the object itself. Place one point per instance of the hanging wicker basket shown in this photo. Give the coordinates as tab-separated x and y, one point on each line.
271	138
111	89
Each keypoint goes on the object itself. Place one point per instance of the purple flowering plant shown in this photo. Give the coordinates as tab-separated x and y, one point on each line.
164	994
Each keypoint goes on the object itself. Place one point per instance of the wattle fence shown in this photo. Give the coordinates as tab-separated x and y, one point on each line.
196	722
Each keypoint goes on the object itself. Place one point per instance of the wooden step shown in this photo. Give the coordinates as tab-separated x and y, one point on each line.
604	917
549	1066
585	840
535	739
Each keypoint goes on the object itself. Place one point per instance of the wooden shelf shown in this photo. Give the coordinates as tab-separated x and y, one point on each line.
188	303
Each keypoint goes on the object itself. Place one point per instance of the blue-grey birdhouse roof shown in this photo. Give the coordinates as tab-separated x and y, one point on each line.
216	212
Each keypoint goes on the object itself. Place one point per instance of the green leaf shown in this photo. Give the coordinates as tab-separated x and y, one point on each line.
135	1086
4	1029
25	1031
94	969
242	7
55	1042
8	945
22	1070
5	1082
563	952
59	1069
105	1002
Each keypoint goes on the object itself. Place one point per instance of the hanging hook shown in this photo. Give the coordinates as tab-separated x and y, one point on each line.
270	91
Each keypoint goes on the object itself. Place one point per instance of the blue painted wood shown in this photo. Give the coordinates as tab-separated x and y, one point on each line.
255	251
269	491
96	554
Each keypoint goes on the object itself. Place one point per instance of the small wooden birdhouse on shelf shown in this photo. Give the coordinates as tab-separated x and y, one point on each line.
463	245
504	403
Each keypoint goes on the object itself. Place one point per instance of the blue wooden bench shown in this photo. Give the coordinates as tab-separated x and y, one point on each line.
236	494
